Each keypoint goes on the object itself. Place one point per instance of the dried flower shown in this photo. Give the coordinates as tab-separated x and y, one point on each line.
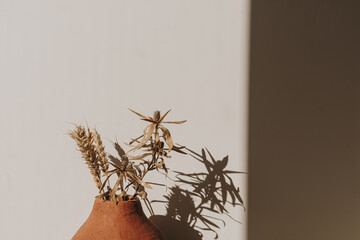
130	170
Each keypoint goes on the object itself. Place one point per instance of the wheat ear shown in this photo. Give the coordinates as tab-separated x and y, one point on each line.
84	141
100	149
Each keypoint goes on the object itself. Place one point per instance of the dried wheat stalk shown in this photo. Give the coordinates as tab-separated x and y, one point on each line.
84	140
100	149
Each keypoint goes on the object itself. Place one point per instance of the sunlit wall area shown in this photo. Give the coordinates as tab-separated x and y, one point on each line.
65	61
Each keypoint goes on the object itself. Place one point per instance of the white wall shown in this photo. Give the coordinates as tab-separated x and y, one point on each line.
67	61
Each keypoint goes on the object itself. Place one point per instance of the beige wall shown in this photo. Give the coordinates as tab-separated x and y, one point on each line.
304	120
70	61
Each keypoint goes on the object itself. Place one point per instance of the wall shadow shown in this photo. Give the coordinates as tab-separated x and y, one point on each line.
304	135
198	201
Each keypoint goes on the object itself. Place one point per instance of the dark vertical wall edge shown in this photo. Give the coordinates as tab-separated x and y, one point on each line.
304	120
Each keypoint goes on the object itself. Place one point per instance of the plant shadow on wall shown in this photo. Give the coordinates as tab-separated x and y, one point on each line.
196	198
194	205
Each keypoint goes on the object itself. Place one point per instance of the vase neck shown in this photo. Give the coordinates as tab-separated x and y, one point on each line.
108	208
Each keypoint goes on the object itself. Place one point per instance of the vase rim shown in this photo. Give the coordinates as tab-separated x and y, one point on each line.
98	200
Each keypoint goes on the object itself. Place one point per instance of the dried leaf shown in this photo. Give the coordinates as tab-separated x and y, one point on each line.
148	131
163	116
106	179
148	120
157	137
139	170
142	194
141	182
120	151
115	160
167	137
170	142
139	114
116	186
122	194
140	157
136	139
176	122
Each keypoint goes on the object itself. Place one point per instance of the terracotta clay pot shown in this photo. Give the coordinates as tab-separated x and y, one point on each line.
125	220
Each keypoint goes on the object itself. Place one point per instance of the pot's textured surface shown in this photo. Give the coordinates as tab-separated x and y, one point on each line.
123	221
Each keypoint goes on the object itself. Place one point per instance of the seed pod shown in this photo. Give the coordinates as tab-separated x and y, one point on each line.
156	115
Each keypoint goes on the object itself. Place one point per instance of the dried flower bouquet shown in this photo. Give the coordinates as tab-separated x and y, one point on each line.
155	145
